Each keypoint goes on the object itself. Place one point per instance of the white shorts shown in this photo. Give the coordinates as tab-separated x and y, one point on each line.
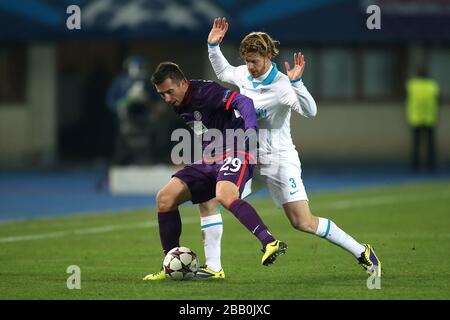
283	177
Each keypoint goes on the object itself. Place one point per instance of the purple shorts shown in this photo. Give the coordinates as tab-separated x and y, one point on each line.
201	178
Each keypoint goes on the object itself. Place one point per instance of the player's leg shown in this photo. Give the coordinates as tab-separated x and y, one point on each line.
230	185
195	183
212	230
287	189
300	217
168	199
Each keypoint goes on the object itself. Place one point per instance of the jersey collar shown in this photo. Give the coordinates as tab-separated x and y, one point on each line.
188	96
269	76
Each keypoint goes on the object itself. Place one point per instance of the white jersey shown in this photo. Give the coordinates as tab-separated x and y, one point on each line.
273	95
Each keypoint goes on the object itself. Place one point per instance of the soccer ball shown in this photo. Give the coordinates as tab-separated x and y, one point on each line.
180	263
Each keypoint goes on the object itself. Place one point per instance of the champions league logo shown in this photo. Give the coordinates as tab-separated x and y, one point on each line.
226	96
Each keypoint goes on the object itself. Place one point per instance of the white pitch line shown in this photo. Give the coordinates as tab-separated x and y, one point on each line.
337	205
407	236
80	213
383	200
96	230
35	236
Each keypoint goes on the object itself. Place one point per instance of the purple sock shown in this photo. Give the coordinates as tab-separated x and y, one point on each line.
248	216
169	229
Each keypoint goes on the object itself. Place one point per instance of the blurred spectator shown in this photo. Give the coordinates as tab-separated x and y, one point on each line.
131	99
422	113
142	123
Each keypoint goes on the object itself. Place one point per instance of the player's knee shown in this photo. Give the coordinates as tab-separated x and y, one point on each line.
226	194
305	225
223	199
164	201
226	198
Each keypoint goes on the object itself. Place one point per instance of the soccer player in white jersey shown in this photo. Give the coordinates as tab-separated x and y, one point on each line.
274	95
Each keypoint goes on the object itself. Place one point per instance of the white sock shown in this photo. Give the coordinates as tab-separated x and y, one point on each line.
212	229
327	229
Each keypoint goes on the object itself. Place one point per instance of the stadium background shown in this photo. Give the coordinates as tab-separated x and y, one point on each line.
356	75
55	130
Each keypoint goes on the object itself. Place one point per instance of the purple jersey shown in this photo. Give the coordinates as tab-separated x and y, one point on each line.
208	105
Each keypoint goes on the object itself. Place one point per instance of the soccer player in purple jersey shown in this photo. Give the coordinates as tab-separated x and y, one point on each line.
223	176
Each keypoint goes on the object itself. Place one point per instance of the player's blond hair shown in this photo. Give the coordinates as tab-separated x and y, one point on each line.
259	42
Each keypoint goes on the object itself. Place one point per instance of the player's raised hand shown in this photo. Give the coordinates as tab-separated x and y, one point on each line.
218	30
299	66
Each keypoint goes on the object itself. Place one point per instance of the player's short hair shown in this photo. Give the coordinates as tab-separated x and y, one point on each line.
259	42
167	70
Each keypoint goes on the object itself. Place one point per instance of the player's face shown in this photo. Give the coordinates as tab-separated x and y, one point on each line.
257	65
172	92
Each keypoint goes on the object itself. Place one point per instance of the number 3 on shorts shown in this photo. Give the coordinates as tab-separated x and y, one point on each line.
293	184
234	162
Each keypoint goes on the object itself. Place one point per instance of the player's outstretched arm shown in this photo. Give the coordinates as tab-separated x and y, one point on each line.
302	101
218	31
222	68
296	72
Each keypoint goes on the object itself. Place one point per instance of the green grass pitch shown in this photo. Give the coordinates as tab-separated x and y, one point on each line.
408	224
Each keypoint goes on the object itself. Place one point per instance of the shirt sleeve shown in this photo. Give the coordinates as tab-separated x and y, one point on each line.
220	97
224	71
246	108
297	97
